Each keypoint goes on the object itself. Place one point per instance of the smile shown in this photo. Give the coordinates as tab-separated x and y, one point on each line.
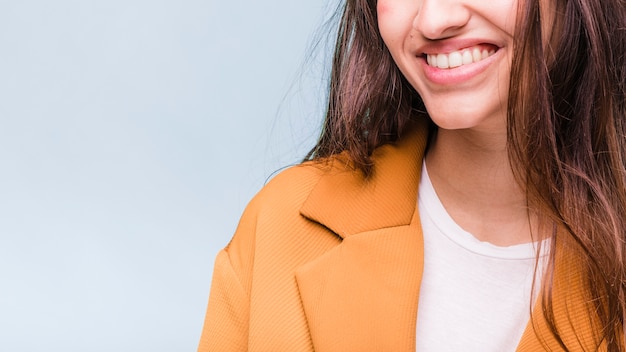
461	57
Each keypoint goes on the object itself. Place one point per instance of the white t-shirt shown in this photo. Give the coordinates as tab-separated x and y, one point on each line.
474	296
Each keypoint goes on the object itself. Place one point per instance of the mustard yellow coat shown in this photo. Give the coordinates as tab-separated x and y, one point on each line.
326	260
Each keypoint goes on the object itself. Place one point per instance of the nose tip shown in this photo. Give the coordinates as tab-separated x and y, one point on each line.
437	19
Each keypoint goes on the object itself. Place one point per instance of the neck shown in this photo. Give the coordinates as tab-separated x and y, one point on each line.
471	173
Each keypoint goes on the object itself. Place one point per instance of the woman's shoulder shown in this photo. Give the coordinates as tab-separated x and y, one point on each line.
272	226
291	187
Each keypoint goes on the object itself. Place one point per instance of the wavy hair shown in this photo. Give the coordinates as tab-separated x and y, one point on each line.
566	129
567	141
369	100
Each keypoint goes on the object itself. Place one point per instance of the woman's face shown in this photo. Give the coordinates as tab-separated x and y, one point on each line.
457	55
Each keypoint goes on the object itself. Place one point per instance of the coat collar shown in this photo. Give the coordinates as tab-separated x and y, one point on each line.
348	203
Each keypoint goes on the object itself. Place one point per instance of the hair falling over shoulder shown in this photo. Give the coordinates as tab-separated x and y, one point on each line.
567	140
566	128
369	100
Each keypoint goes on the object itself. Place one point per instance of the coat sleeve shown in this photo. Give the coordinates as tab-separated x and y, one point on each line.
227	317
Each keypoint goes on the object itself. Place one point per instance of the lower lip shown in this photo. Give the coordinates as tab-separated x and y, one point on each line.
459	74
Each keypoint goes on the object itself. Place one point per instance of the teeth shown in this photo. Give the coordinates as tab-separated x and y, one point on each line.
467	57
455	59
476	55
458	58
443	61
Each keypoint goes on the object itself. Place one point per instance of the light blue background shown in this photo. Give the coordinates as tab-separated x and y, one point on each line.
132	135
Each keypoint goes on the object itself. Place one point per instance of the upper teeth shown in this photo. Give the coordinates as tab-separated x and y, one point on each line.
458	58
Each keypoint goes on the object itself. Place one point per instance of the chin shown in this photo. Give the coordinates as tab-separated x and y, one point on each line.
453	124
465	110
458	119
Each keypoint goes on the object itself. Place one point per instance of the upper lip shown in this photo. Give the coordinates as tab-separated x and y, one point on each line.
446	46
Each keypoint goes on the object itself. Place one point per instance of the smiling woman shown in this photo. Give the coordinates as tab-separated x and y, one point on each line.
454	54
472	165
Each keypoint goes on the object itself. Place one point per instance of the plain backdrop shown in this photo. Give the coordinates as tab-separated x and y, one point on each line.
132	135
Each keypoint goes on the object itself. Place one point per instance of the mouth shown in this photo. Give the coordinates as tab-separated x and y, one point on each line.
461	57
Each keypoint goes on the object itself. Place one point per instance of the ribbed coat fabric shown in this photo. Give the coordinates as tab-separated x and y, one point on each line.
326	260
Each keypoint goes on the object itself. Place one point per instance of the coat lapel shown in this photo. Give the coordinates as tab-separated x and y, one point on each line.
362	294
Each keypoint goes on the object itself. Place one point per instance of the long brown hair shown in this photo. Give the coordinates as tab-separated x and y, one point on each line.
567	141
369	100
566	128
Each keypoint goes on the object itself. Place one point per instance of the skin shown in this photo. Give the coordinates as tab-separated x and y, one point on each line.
467	161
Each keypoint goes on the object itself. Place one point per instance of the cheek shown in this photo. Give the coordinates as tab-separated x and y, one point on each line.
384	11
395	20
382	7
503	15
